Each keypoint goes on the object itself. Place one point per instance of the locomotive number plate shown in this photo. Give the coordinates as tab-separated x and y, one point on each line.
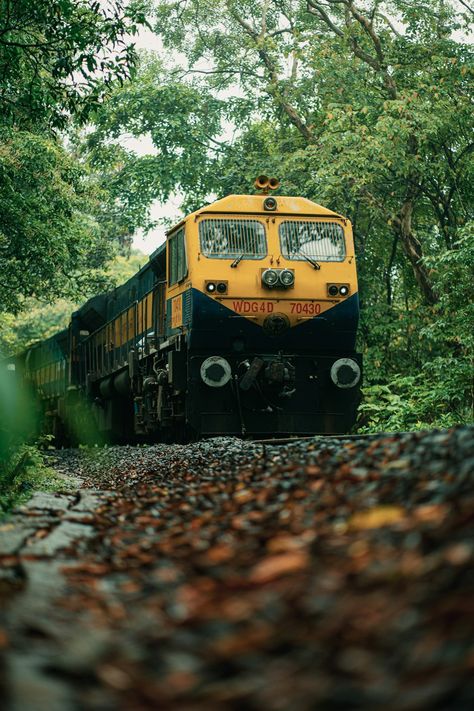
300	308
308	308
253	307
177	311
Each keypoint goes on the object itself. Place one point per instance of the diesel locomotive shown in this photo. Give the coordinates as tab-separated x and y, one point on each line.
243	323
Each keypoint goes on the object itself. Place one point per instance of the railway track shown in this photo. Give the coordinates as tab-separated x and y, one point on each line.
311	573
326	437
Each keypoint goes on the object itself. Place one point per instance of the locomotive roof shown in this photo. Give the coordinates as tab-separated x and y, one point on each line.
253	205
159	251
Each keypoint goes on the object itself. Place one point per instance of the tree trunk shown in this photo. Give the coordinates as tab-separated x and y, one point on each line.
414	252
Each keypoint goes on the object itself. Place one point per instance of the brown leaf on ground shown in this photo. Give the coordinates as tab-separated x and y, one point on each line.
219	554
377	517
86	568
284	543
243	641
275	566
324	574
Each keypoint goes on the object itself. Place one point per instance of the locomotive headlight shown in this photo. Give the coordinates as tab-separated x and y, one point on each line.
270	277
345	373
270	204
210	287
287	277
343	290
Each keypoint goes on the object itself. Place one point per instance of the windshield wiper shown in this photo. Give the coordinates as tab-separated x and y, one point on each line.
236	262
311	261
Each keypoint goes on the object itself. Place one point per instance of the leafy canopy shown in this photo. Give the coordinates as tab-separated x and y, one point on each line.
58	60
58	57
49	243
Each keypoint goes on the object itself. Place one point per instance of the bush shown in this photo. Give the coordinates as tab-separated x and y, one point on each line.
411	403
420	364
21	473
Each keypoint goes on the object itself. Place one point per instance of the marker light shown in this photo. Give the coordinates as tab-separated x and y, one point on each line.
270	277
333	290
287	277
222	287
210	287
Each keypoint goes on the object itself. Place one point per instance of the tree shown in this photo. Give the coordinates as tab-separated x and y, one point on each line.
58	57
49	243
378	92
182	122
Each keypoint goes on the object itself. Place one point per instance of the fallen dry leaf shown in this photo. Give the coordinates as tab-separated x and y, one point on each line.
282	544
377	517
277	565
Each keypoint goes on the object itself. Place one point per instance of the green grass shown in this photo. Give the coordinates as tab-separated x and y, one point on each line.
23	473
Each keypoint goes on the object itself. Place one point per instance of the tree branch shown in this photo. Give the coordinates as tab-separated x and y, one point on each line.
389	23
315	8
467	6
377	62
272	70
368	28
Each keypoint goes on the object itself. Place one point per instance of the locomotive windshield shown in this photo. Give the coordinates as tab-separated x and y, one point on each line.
321	241
232	239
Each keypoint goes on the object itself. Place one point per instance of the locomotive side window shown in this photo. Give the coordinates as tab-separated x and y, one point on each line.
177	267
323	241
232	238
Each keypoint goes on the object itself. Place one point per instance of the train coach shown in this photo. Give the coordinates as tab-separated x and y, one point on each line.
243	323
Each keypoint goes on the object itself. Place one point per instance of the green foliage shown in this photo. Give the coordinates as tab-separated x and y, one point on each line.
427	358
122	267
22	473
58	57
36	320
413	402
453	272
41	319
22	465
49	242
17	412
18	464
182	123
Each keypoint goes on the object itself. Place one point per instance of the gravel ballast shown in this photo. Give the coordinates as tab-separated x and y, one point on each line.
327	573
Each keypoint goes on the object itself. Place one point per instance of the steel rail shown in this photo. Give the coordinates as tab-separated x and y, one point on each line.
324	437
